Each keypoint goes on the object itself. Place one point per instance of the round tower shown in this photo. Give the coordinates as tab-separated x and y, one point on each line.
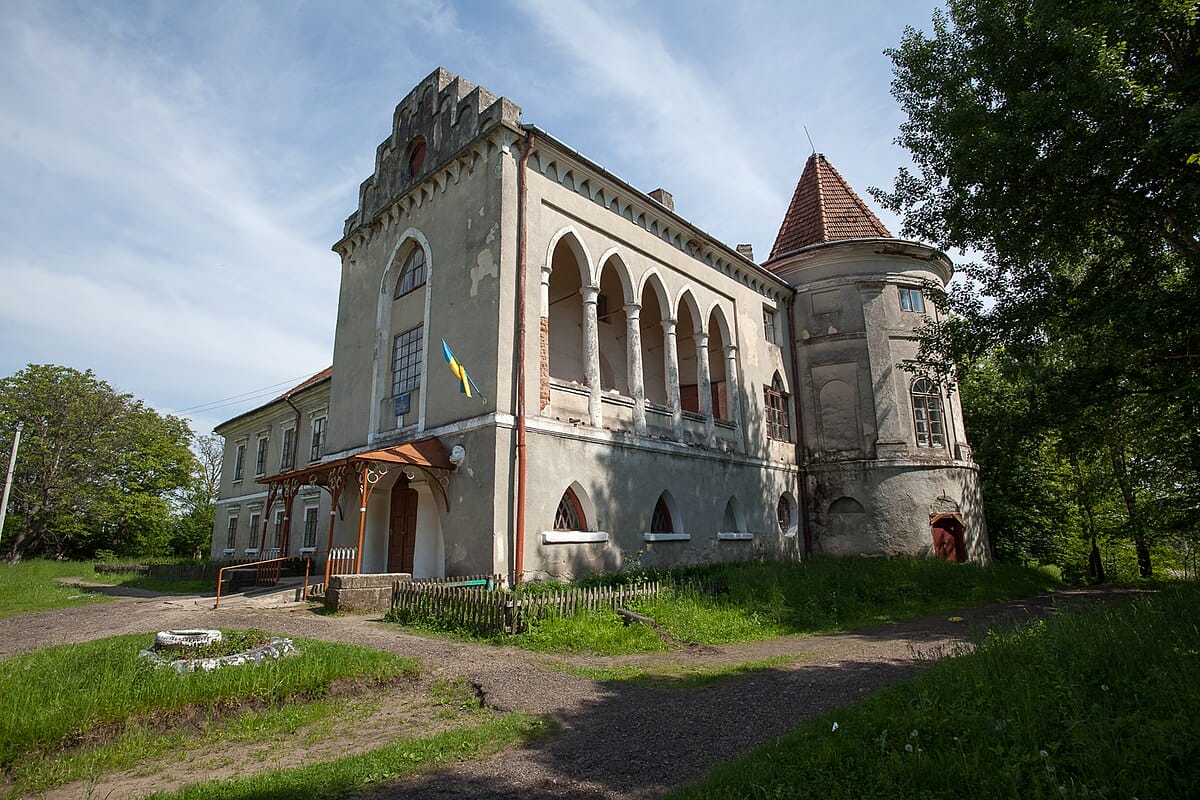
886	459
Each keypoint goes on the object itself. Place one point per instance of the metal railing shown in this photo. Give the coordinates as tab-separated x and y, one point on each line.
261	575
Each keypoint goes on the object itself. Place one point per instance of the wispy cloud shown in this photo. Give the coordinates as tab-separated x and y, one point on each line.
668	121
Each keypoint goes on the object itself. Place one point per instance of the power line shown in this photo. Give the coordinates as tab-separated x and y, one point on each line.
243	397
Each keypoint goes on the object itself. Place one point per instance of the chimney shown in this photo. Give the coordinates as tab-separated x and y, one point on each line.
746	250
663	197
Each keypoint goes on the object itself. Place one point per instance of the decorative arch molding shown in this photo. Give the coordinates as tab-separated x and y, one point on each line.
654	281
381	367
581	501
394	262
688	297
672	524
717	313
613	256
733	523
570	235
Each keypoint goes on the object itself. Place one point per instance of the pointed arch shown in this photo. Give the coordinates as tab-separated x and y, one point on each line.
686	299
718	370
615	293
570	239
733	521
653	282
656	309
665	516
400	252
611	261
575	511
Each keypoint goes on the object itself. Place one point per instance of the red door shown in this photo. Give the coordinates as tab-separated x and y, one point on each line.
949	543
402	532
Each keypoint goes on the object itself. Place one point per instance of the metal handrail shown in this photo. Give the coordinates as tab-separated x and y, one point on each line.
221	572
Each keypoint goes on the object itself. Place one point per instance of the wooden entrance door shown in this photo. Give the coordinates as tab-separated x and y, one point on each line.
402	531
948	541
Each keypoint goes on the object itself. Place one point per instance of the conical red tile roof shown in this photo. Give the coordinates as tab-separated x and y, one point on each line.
824	209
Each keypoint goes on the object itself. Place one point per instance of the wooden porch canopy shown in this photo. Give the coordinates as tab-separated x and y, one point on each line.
428	456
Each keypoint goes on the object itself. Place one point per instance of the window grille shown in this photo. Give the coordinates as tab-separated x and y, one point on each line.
660	521
569	516
407	357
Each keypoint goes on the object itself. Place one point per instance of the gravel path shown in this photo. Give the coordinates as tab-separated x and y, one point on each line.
614	739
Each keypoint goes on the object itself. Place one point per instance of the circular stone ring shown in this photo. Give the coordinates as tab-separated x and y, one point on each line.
187	638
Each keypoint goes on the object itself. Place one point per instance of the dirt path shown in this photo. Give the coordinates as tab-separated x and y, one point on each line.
615	739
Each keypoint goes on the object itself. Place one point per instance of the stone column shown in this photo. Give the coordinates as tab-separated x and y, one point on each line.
637	386
671	364
591	354
733	388
704	385
890	434
544	341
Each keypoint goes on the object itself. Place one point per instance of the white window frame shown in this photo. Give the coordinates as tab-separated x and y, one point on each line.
907	294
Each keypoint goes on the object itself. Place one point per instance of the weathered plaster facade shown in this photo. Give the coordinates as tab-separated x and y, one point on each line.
681	402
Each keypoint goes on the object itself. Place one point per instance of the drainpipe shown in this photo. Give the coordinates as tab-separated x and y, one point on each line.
801	448
518	566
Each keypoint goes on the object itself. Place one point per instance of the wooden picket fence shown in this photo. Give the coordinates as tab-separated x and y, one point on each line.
490	608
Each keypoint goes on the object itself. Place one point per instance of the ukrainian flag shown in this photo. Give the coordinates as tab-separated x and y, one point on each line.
460	372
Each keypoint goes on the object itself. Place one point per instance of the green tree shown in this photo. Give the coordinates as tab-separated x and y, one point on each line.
1052	137
96	469
192	528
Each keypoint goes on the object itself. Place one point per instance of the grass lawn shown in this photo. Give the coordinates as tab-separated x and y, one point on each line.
65	694
31	585
1102	704
723	603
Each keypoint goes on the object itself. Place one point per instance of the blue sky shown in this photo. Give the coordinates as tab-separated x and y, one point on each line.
175	173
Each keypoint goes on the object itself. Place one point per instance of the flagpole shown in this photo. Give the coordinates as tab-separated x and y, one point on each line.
12	463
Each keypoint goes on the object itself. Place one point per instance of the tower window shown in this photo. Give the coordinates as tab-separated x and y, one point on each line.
769	326
778	423
928	420
911	300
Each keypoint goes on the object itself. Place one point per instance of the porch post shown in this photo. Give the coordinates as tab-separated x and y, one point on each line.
363	493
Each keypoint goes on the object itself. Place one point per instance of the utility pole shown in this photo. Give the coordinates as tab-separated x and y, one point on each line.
12	464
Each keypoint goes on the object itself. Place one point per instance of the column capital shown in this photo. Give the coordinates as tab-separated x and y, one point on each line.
633	309
730	350
590	293
668	326
701	338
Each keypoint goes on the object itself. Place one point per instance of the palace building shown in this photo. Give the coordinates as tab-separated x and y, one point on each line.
540	371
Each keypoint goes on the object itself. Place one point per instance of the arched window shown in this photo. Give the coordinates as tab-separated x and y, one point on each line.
778	423
416	157
569	516
660	521
412	276
929	422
